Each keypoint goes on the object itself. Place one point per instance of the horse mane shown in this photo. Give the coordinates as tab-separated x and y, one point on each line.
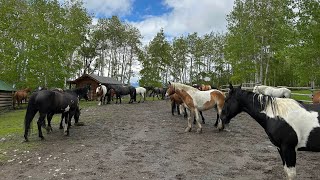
184	87
274	107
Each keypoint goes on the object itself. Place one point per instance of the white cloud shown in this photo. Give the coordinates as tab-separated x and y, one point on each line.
187	16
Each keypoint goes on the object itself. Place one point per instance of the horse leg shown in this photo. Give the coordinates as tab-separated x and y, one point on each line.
49	118
66	123
61	121
173	106
196	115
178	109
27	121
42	118
288	156
188	129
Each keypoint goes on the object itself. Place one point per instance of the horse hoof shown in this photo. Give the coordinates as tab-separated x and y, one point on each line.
199	130
187	129
42	138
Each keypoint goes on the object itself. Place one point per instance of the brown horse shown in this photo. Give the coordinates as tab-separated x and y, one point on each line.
204	87
316	98
195	100
20	95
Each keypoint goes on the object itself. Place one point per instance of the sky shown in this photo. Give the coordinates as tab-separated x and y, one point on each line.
176	17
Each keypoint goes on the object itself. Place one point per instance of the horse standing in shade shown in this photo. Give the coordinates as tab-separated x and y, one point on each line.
316	98
121	91
101	93
20	95
142	92
195	100
48	103
289	125
272	91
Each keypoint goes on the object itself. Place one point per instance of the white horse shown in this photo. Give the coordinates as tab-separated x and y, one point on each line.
142	91
101	93
272	91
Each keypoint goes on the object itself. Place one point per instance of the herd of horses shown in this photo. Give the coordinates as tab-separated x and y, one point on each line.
290	125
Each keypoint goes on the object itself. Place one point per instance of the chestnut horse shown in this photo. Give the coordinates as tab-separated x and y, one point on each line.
316	98
204	87
195	100
20	95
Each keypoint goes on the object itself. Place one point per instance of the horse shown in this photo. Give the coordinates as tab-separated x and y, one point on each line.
159	92
195	100
81	92
316	98
143	92
176	103
204	87
121	91
290	126
101	92
20	95
272	91
48	103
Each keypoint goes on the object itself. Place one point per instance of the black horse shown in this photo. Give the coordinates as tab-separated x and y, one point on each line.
80	92
121	91
48	103
159	92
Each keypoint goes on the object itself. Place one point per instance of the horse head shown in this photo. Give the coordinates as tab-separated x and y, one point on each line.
231	107
170	90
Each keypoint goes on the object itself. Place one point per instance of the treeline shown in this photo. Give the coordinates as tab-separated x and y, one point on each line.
274	42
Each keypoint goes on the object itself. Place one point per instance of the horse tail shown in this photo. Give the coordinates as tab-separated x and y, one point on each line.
30	113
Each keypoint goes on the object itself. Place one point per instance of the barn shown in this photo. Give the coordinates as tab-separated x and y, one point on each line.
6	95
92	80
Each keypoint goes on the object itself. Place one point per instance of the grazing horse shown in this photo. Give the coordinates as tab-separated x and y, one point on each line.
159	92
272	91
316	98
121	91
48	103
20	95
290	126
195	100
101	93
142	92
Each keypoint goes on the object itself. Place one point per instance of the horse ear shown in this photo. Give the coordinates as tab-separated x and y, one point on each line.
230	86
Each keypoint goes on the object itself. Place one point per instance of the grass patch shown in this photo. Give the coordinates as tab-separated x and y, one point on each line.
12	130
301	97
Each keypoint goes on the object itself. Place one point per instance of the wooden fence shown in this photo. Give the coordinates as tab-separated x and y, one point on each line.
6	99
250	86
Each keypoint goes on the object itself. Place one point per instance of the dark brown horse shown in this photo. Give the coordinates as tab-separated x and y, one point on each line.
316	98
20	95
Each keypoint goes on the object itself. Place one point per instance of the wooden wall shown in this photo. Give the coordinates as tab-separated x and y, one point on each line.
94	84
6	99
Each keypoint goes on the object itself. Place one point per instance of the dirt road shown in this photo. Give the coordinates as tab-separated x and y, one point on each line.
144	141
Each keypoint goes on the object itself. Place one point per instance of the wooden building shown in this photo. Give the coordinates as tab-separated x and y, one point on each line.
6	95
92	80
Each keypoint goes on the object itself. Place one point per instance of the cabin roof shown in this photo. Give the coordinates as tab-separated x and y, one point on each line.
6	87
98	79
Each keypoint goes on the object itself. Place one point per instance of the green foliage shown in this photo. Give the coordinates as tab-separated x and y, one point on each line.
38	38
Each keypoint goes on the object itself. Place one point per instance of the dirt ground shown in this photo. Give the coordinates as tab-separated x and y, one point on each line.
144	141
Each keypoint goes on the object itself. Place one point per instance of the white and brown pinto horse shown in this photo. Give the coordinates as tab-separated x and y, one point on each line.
290	126
195	100
272	91
101	93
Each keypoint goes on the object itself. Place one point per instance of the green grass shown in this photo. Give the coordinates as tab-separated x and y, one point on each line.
301	97
12	130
